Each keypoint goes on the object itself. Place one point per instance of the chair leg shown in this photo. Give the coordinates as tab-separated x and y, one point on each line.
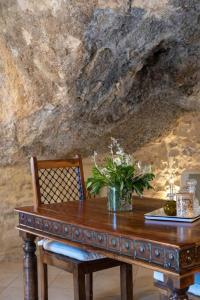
126	277
89	286
44	281
79	284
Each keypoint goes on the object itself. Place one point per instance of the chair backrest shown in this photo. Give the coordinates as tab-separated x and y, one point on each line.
191	174
57	181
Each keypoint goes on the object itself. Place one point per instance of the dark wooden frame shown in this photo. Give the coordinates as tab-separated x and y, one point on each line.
82	271
36	165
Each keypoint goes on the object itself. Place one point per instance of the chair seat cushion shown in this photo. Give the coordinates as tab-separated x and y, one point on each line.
70	251
195	288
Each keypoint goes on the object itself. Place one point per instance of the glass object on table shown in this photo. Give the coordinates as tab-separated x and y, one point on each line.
170	205
185	204
191	188
119	201
170	208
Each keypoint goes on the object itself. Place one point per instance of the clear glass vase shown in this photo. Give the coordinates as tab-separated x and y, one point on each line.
119	201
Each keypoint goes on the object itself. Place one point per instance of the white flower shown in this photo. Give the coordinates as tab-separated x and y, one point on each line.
120	151
117	161
94	158
139	165
128	160
104	171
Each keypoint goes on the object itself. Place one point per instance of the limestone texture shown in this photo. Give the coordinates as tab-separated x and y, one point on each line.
75	73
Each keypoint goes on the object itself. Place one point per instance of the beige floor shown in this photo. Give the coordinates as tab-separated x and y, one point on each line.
106	284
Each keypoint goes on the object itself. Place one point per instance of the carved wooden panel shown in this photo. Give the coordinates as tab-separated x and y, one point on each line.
142	250
188	257
67	231
127	247
100	240
157	254
113	243
89	236
77	234
171	259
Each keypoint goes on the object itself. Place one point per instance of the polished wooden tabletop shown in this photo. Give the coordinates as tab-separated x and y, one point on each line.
93	214
172	246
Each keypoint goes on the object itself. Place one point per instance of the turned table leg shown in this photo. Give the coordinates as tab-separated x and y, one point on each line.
179	286
179	294
30	267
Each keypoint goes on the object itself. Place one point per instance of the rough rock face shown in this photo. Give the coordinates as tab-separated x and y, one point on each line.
74	73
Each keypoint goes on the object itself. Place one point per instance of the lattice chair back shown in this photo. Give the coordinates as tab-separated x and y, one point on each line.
57	181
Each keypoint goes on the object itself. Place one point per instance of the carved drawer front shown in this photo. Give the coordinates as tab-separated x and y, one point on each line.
89	236
127	247
113	243
142	250
171	259
157	255
41	224
30	221
22	219
27	220
56	228
67	231
100	239
45	224
77	234
187	257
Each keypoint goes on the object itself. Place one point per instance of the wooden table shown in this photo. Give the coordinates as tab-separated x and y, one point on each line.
172	248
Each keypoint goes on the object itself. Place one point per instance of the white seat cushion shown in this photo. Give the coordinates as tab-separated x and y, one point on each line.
193	289
158	276
70	251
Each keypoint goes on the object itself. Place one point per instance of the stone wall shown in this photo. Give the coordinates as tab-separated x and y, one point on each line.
75	73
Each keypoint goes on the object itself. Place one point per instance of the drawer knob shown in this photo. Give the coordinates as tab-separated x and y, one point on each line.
77	232
114	242
157	253
66	229
100	238
171	256
142	249
127	245
169	265
89	235
189	259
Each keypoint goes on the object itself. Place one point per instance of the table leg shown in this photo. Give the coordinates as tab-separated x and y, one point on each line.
126	277
179	294
30	267
178	286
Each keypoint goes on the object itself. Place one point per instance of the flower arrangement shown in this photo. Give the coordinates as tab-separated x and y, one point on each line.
120	172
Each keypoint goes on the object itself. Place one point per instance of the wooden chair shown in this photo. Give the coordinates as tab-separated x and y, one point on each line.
60	181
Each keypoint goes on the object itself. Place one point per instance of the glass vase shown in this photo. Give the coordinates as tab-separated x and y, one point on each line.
119	201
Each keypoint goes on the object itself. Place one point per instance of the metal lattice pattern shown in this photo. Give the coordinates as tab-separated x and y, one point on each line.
60	185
